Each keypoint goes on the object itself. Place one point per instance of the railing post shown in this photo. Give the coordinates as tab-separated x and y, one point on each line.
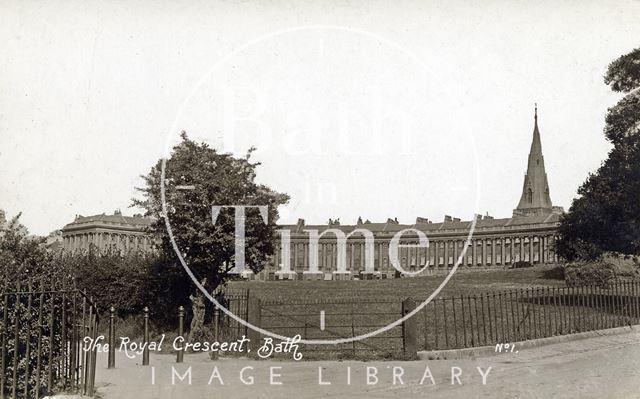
464	322
39	347
409	329
484	324
112	339
180	354
503	336
253	318
94	355
635	300
87	355
145	352
27	355
455	321
425	332
5	335
435	323
16	337
216	327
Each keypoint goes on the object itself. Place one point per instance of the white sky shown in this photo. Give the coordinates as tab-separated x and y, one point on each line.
90	93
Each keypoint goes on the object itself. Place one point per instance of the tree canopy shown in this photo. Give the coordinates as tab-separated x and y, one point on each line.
605	217
198	177
23	255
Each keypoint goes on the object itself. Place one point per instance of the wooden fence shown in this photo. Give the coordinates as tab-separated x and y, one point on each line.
43	326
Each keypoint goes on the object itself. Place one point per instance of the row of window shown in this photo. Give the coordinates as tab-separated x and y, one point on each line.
414	257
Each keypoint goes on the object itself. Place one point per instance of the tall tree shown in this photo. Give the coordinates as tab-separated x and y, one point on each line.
23	255
605	217
214	178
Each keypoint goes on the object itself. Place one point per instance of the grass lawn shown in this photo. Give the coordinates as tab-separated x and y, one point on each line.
498	306
462	283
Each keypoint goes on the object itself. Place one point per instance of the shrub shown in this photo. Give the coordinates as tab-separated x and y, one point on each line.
131	281
556	273
521	264
597	273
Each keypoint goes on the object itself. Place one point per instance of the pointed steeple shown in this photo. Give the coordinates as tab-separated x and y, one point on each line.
536	145
535	197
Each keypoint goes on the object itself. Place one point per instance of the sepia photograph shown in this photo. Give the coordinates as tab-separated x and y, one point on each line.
319	199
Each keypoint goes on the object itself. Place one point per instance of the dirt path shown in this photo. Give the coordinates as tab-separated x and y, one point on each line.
602	367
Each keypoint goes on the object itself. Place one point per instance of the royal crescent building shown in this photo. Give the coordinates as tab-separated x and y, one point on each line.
117	232
527	236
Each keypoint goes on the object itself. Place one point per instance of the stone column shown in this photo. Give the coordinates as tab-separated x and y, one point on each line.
473	248
446	253
380	255
305	259
540	250
408	256
356	259
455	251
521	248
385	252
334	261
294	262
362	262
285	257
493	252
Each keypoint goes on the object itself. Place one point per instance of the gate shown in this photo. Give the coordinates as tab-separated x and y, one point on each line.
335	319
323	320
41	336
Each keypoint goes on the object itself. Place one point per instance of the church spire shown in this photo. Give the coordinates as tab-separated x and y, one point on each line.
535	197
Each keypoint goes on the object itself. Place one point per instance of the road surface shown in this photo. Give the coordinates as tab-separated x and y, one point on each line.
601	367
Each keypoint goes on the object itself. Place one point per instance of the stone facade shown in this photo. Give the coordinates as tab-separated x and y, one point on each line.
529	236
117	232
494	243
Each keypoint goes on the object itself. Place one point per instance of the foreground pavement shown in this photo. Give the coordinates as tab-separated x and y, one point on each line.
601	367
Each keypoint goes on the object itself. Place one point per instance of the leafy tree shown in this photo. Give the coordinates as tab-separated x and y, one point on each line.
22	255
605	217
217	179
25	261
